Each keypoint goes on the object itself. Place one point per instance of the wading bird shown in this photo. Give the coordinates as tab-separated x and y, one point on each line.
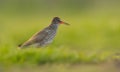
45	36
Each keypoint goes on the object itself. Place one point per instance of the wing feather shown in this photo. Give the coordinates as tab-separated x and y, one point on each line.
37	37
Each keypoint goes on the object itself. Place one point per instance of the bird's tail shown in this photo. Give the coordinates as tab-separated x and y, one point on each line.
19	45
26	44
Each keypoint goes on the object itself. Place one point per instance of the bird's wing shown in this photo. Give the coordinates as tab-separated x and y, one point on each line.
38	37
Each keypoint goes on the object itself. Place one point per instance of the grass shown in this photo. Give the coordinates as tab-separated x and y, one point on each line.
90	39
51	55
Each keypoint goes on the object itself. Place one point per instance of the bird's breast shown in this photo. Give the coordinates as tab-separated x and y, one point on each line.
49	37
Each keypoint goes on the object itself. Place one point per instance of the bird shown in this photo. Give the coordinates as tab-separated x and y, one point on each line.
45	36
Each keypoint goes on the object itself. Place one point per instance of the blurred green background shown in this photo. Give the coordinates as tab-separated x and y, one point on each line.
92	37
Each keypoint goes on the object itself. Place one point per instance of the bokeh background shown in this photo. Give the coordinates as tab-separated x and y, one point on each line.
92	37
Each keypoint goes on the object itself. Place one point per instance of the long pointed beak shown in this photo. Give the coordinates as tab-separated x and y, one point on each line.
64	23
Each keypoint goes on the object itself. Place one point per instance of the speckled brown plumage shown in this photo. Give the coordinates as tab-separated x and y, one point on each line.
45	36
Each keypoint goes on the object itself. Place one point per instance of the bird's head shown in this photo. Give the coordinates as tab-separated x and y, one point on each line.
56	20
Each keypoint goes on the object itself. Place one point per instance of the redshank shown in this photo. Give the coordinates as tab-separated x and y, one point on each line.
45	36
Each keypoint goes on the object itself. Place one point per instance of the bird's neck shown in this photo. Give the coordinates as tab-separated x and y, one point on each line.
54	26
